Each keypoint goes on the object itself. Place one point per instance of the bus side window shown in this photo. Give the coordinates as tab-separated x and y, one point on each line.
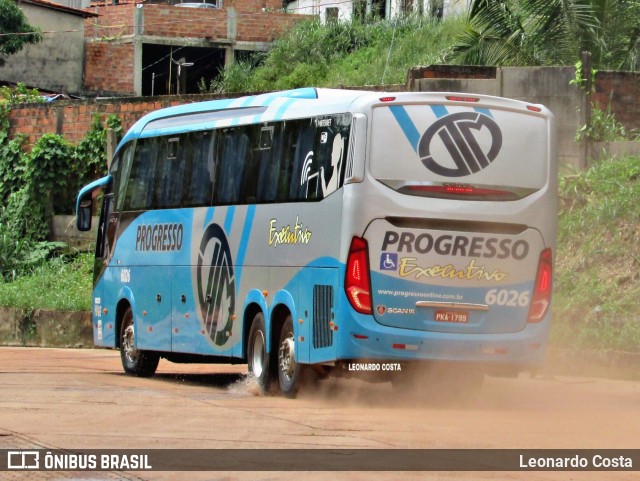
248	183
289	136
330	159
168	189
304	176
201	148
121	168
269	168
232	166
140	188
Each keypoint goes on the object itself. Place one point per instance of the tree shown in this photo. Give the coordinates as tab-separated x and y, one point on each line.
617	43
15	31
525	32
551	32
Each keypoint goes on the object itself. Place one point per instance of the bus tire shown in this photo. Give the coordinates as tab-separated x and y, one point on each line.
258	359
290	373
135	362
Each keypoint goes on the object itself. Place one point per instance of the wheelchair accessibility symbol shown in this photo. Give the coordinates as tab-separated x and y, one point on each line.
388	261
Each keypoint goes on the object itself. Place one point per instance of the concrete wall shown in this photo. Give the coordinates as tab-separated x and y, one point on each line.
42	327
63	229
394	7
544	85
57	62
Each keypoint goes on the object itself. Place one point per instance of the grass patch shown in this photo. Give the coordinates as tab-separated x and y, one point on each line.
598	258
62	283
343	54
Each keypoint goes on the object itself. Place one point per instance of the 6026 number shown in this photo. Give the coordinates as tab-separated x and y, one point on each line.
507	297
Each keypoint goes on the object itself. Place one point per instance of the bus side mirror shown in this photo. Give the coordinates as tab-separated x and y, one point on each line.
83	215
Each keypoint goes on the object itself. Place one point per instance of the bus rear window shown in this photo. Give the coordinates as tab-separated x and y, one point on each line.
470	152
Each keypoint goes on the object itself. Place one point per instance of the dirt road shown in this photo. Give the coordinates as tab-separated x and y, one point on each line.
79	399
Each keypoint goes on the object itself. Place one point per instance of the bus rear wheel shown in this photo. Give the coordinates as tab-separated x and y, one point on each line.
258	359
135	362
290	373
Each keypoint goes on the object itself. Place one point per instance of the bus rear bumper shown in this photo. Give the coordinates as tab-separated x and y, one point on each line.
369	340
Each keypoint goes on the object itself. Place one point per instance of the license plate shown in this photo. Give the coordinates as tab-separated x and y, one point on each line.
451	316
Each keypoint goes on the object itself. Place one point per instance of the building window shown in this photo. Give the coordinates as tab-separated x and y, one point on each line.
331	14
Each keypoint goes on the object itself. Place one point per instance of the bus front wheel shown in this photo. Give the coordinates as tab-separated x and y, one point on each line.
257	356
135	362
289	371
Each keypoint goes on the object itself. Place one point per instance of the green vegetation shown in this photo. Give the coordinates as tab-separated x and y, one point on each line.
551	32
598	258
62	283
342	53
37	183
496	32
604	127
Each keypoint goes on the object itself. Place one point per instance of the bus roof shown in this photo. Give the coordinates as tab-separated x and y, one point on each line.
270	106
274	106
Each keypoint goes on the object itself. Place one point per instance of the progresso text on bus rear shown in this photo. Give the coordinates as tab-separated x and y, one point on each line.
456	245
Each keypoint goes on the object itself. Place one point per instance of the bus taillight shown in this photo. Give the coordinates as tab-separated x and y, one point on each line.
461	98
460	191
542	288
357	284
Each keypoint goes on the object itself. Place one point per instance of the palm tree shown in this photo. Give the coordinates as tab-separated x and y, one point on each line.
551	32
617	43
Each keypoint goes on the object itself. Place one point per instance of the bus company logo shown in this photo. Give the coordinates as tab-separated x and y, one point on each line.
216	284
461	133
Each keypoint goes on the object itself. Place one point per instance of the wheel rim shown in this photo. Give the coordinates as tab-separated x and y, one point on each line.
286	357
257	359
129	344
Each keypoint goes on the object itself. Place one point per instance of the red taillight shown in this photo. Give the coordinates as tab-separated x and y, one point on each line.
542	288
387	99
461	190
460	98
356	284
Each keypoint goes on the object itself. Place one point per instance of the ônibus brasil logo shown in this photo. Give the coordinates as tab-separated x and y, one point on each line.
461	135
216	284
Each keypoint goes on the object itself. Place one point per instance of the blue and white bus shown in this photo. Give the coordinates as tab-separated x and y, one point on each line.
314	230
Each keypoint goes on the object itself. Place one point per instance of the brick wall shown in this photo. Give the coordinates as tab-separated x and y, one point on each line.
166	21
113	21
620	91
254	24
109	68
265	27
109	54
253	5
72	118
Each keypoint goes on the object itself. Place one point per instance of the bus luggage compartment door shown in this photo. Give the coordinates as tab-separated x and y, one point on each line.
435	276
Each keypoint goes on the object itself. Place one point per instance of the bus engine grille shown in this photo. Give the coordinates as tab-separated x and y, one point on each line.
322	308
